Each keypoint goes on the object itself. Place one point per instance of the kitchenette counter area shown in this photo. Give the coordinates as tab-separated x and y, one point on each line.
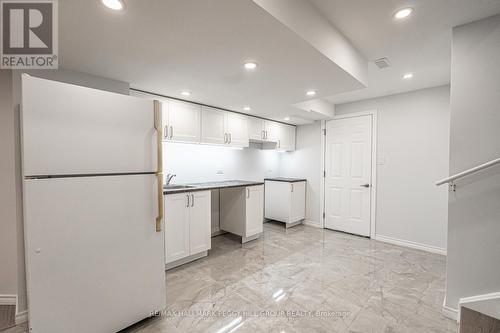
234	206
192	187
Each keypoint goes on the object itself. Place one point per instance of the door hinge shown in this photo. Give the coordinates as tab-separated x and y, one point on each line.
324	215
324	173
324	131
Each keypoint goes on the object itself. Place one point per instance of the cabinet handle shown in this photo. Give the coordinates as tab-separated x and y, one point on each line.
192	200
279	144
230	137
292	187
187	195
262	134
248	193
171	132
165	134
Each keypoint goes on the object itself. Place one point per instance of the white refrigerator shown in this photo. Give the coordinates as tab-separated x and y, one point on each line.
92	194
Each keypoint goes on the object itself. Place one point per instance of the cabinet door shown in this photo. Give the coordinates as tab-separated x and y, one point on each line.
164	120
237	129
176	227
255	128
277	201
254	210
286	138
199	222
184	120
272	130
213	126
298	208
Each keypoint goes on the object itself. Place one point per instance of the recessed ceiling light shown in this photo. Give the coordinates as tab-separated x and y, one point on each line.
185	93
408	76
247	108
403	13
114	4
250	65
286	118
311	92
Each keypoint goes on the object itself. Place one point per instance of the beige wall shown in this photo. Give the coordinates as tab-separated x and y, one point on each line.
8	204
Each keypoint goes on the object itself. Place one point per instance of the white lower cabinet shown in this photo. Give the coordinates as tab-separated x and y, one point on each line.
242	211
187	226
285	201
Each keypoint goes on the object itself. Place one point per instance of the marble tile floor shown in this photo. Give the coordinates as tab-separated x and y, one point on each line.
304	279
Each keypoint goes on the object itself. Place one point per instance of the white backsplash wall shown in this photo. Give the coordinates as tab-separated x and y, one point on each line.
202	163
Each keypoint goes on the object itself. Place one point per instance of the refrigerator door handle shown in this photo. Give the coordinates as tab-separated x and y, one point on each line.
159	156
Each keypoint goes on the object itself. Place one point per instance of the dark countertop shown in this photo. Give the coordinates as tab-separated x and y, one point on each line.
288	180
192	187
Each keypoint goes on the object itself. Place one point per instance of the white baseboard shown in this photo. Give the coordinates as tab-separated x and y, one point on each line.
490	309
21	317
311	223
410	244
8	299
450	312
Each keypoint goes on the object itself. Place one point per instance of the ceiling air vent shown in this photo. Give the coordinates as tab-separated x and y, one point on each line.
382	63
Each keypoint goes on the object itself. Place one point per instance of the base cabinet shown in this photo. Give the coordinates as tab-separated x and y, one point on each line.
242	211
187	225
285	201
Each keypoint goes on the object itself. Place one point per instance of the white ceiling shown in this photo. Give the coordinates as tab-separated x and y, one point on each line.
420	44
166	46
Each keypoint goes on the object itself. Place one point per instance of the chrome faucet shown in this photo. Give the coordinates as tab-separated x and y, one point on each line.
169	178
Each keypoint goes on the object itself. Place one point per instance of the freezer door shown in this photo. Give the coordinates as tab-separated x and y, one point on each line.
69	129
94	260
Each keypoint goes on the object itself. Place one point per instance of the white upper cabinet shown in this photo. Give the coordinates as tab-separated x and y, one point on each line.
224	128
271	131
286	138
213	126
255	128
181	121
237	130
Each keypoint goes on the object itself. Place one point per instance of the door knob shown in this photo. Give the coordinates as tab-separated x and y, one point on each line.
365	185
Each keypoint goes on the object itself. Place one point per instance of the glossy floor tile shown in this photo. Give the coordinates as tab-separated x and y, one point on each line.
305	279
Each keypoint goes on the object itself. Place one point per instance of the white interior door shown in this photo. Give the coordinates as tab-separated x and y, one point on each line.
348	174
95	262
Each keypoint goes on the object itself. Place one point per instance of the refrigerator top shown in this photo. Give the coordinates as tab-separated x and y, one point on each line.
72	130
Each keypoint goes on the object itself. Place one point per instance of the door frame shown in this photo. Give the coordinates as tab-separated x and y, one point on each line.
373	195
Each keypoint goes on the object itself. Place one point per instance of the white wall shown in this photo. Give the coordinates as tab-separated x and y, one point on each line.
8	208
412	148
305	162
201	163
473	265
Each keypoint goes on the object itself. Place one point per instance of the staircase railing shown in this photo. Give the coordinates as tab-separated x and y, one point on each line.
451	180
